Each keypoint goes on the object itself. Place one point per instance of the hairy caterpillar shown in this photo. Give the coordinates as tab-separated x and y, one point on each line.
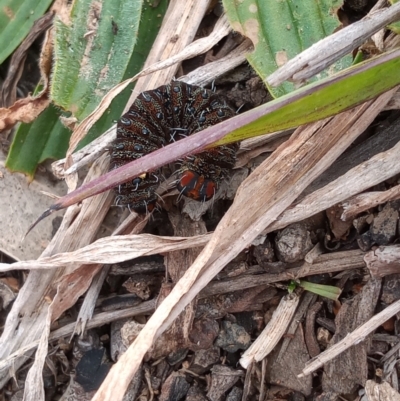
159	117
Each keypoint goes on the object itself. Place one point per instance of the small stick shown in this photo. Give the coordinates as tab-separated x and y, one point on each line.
353	338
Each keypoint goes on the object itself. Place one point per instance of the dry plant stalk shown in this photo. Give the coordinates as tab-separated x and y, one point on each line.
273	332
290	169
330	49
166	54
206	74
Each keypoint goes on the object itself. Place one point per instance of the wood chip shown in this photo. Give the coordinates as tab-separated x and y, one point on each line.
383	261
380	392
273	332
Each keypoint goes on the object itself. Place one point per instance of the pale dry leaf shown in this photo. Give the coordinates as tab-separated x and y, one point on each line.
26	110
380	391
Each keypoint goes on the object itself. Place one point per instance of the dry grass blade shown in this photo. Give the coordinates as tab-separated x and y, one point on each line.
166	68
278	182
112	250
207	73
34	389
27	319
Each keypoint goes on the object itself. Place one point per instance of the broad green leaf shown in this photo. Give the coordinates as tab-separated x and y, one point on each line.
45	137
50	138
16	20
93	52
282	29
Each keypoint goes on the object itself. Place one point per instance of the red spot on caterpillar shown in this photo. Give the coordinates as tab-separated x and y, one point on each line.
196	186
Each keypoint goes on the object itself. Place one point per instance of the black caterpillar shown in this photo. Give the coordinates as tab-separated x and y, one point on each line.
159	117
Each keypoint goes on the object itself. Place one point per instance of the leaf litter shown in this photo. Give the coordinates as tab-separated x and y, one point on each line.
66	269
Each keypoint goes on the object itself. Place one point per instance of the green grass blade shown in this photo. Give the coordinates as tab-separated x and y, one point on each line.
319	100
327	291
33	143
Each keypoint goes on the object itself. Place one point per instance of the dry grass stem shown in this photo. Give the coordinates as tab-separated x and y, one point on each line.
327	263
87	155
207	73
103	318
112	250
184	48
